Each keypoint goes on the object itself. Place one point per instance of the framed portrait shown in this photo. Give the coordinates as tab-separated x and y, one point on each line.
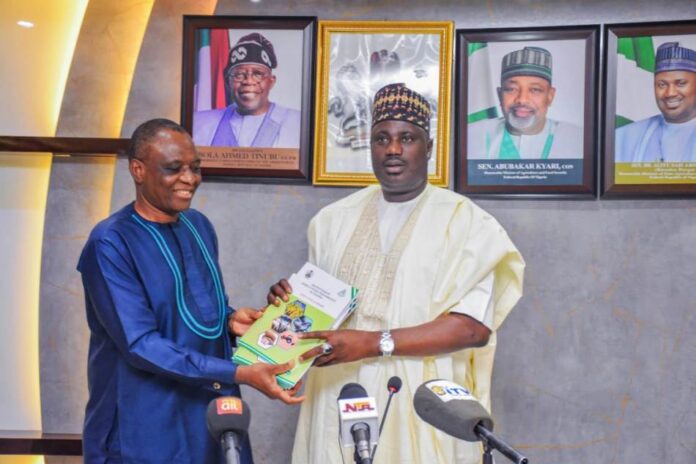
354	60
649	145
247	95
526	111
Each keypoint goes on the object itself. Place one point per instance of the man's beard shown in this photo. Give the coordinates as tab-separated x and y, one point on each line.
521	124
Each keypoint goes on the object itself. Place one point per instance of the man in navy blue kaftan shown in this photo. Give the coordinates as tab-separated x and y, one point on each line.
159	317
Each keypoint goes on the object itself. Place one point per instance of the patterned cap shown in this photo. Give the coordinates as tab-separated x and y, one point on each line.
396	102
530	61
671	57
253	48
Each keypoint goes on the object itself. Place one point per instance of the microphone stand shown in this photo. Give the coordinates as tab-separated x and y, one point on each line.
381	425
487	455
230	447
362	443
357	460
491	442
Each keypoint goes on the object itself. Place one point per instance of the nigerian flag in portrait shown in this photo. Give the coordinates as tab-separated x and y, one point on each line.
483	102
635	66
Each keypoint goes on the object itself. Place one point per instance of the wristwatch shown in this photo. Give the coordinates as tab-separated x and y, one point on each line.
386	344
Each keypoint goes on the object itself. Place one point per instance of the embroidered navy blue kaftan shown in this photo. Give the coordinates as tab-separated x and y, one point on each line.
150	375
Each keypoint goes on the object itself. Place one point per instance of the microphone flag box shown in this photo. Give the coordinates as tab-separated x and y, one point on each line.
355	410
319	301
447	391
228	405
451	408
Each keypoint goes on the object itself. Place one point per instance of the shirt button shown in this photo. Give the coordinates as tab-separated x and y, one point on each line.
216	385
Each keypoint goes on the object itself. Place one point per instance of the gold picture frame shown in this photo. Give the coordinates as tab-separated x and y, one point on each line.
354	60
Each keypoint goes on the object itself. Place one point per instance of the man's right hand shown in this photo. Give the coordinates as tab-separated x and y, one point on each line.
280	290
261	376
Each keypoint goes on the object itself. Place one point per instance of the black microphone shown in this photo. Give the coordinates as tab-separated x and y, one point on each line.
228	421
393	385
358	421
454	410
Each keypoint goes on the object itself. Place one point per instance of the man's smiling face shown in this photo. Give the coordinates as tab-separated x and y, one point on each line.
675	94
251	84
168	174
525	100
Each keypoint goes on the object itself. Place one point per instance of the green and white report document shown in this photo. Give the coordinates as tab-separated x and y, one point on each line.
319	301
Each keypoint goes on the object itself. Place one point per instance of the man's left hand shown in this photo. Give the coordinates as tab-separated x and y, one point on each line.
347	346
242	319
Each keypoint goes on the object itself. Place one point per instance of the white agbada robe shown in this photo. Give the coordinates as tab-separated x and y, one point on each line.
447	248
654	140
392	216
486	137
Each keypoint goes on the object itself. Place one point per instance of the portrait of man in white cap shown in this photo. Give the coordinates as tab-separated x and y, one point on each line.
525	131
252	119
671	135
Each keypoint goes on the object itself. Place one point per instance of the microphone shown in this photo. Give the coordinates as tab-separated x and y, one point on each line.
454	410
393	385
228	421
358	421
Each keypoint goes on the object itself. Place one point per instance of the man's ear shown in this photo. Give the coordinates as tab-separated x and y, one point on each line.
552	94
137	170
430	148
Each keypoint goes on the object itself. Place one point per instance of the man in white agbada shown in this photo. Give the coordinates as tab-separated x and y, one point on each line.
436	277
671	135
525	131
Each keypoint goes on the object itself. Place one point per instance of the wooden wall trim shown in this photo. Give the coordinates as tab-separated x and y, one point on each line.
66	145
37	443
